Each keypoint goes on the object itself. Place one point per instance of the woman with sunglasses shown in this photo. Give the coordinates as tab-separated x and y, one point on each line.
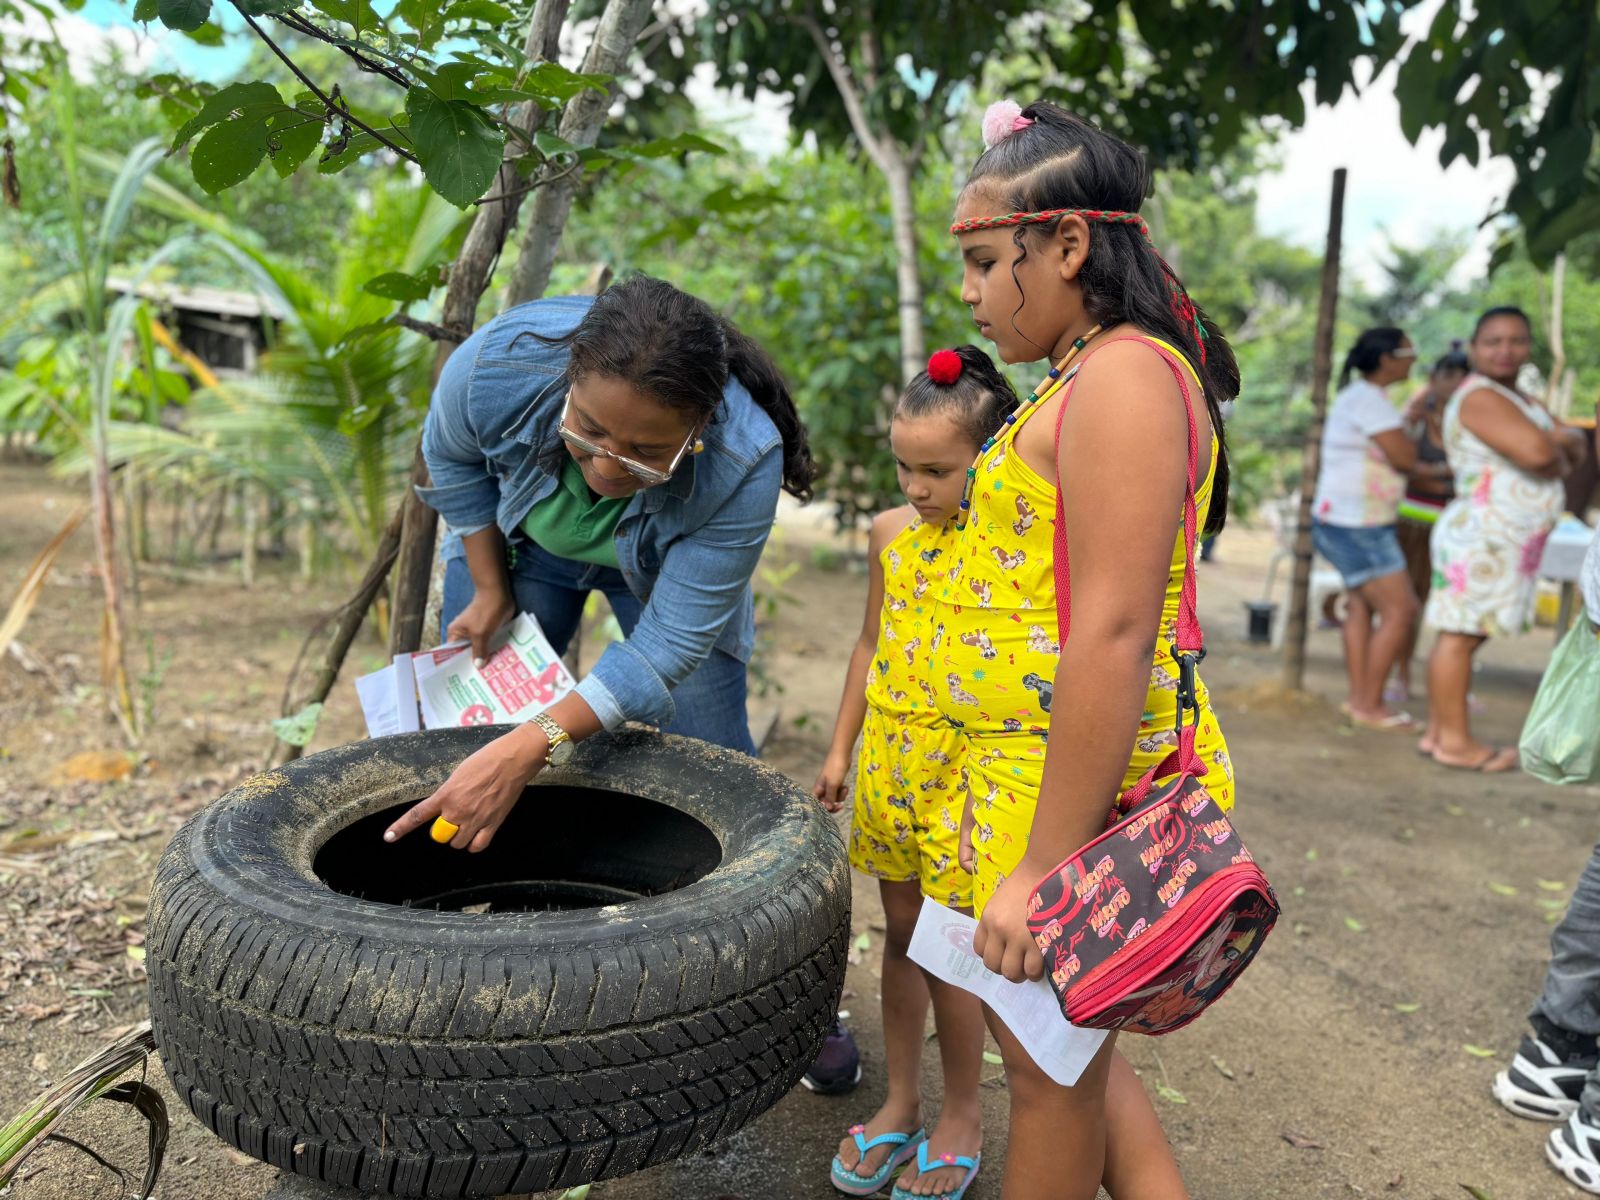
1366	458
633	444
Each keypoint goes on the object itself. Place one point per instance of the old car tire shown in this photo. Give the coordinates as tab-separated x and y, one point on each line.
430	1051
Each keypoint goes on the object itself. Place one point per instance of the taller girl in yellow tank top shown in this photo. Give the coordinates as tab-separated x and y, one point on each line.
1058	266
994	628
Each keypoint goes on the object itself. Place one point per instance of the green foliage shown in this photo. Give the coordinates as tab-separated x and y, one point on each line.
300	218
1520	79
25	69
1187	82
908	58
1184	82
328	423
451	65
299	729
458	145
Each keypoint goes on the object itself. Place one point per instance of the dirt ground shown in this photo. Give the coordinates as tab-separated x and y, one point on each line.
1353	1059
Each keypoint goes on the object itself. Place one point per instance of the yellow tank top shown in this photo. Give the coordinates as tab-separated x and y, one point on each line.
996	607
914	564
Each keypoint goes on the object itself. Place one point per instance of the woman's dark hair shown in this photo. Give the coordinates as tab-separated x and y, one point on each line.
1369	350
1454	359
676	348
1062	161
978	400
1501	310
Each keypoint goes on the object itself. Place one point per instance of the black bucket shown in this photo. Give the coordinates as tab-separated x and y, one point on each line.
1261	612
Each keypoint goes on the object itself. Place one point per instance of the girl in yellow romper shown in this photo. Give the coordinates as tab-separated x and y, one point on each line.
1057	265
910	785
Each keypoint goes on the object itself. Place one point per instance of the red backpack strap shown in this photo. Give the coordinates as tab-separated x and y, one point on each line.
1189	641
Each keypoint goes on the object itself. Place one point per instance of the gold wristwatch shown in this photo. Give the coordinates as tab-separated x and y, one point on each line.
560	740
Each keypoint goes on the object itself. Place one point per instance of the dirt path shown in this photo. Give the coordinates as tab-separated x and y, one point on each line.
1306	1081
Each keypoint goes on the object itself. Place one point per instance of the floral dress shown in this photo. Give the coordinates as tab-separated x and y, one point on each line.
1489	539
994	657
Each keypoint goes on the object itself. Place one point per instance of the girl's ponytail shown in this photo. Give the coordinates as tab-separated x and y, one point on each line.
1349	367
754	368
1369	350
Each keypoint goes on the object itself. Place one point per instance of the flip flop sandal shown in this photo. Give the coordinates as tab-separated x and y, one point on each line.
1481	767
1400	722
970	1164
851	1183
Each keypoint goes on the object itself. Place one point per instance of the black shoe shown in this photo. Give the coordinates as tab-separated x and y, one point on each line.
838	1065
1540	1084
1574	1150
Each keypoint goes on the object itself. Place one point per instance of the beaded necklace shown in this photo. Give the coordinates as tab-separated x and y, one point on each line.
1048	387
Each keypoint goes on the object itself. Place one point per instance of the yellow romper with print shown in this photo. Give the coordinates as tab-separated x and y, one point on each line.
995	656
909	795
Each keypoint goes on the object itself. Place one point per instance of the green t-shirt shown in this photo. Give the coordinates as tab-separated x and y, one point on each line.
572	522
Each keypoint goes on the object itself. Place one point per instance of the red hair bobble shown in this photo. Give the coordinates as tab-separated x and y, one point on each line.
944	367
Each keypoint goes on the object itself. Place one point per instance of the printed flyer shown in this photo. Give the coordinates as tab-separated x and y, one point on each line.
439	688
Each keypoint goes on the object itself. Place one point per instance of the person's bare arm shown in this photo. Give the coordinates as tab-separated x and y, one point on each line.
1506	429
832	784
1122	462
492	604
1399	449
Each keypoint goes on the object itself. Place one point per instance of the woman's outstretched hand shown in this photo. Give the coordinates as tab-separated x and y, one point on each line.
479	621
1002	939
481	791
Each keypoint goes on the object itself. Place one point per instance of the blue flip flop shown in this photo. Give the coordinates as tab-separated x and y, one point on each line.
852	1184
944	1160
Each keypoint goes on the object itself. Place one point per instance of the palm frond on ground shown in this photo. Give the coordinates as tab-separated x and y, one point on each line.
96	1077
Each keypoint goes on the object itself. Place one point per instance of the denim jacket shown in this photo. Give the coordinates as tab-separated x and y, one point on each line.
687	548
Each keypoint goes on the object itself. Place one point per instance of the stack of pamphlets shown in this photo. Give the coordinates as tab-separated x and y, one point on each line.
439	688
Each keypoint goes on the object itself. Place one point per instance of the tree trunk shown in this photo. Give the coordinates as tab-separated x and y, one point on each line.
468	279
899	169
903	214
1294	642
1557	398
614	38
133	501
419	526
113	632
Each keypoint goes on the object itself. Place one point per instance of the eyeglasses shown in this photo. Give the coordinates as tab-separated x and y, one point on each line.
639	470
1404	352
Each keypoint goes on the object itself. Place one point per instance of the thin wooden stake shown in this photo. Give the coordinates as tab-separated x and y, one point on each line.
1294	642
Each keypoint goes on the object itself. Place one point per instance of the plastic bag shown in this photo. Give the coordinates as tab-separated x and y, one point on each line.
1561	738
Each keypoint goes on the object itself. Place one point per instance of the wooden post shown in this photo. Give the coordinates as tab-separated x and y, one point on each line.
1294	642
1558	393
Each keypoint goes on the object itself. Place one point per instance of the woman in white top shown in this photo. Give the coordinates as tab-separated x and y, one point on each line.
1366	456
1509	457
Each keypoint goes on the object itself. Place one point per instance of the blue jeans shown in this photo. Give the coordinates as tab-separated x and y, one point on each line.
710	701
1360	553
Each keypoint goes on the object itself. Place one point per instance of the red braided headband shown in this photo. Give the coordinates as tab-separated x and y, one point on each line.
1182	307
1104	216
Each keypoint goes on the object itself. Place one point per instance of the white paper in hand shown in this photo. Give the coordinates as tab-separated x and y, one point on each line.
522	677
942	946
